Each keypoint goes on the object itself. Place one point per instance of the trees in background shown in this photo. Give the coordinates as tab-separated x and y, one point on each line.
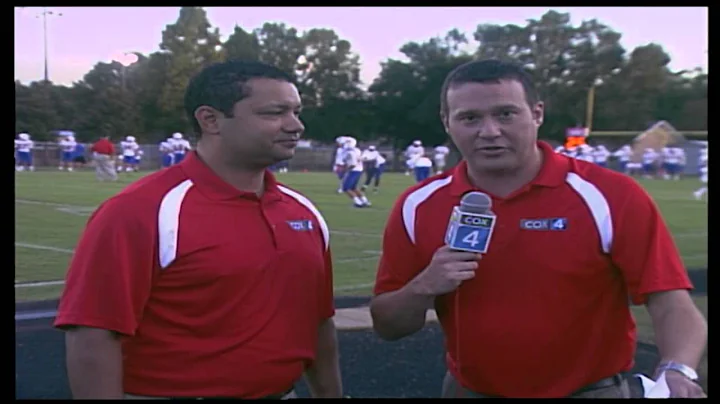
632	89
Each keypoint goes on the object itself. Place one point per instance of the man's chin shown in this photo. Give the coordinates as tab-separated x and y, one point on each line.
279	158
495	165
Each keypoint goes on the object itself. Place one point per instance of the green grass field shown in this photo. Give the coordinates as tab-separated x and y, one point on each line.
51	209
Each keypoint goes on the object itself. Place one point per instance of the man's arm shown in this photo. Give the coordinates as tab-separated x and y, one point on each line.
323	377
681	331
645	252
106	288
400	304
94	363
400	313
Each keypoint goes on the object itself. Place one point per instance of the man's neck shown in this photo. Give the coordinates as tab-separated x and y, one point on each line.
503	184
243	179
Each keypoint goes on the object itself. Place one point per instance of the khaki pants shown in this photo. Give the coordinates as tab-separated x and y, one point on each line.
626	389
104	167
287	396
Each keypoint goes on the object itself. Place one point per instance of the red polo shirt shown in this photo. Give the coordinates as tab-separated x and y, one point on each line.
217	292
547	312
103	146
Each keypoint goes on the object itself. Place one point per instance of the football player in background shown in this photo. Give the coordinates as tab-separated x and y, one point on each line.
67	146
23	153
354	169
440	158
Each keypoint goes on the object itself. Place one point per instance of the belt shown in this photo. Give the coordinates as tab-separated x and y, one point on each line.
601	384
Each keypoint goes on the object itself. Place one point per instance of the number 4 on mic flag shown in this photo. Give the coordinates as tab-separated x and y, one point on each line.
470	231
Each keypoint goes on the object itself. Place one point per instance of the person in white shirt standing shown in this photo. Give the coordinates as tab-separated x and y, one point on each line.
129	148
704	162
440	157
375	165
422	168
649	160
601	154
23	153
180	147
339	164
671	156
354	170
67	146
166	153
623	155
413	151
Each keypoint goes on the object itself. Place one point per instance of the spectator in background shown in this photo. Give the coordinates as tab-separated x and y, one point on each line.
422	168
103	151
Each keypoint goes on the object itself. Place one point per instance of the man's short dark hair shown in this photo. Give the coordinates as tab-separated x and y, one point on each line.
485	71
222	85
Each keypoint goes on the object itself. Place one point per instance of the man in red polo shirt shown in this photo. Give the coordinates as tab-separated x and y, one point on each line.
544	313
208	279
103	151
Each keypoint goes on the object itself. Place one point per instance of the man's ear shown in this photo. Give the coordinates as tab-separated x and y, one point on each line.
538	112
208	118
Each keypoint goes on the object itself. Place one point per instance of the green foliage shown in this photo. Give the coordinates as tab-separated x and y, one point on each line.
632	89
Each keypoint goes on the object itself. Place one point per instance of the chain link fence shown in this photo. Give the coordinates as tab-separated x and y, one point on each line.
316	158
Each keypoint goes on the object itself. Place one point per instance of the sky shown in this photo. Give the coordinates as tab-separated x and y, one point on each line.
82	36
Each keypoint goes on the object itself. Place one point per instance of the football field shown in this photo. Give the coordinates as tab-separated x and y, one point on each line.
52	207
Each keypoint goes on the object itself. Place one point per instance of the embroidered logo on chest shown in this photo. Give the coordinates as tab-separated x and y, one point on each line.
549	224
300	225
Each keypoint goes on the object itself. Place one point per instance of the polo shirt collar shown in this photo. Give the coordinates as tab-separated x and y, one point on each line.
552	174
214	187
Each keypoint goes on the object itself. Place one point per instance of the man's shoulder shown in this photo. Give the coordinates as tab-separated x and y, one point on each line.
432	187
147	193
303	202
615	186
298	198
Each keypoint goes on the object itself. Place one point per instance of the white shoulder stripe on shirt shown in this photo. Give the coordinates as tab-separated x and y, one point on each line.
599	208
590	194
306	202
413	201
169	222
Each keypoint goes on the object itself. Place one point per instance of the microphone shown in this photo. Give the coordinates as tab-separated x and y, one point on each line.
471	224
470	229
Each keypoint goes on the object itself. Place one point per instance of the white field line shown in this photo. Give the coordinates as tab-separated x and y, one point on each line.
38	284
374	255
86	210
43	203
43	247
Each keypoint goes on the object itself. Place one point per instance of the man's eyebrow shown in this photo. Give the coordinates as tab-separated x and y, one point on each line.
280	105
494	108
